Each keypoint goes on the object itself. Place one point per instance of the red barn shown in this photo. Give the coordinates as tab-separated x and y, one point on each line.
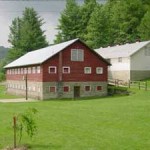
67	70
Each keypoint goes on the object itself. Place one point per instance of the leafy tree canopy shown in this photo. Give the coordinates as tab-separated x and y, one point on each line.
26	34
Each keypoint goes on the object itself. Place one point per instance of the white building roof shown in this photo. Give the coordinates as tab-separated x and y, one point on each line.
125	50
39	56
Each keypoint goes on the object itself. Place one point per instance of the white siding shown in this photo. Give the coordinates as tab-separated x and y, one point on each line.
141	60
119	66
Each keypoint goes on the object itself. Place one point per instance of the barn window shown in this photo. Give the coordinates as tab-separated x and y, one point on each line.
87	70
99	70
18	70
21	70
52	89
66	69
99	88
33	70
29	70
52	69
87	88
7	71
25	70
77	55
66	88
38	69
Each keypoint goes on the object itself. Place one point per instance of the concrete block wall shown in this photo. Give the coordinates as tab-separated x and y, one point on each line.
34	89
70	94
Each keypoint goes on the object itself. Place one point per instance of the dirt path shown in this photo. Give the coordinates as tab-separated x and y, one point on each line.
17	100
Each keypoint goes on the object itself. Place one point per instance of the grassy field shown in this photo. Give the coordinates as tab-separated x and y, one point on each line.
112	123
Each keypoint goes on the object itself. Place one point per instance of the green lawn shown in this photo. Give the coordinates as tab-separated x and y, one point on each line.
112	123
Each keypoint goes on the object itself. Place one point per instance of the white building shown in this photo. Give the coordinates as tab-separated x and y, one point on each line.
129	61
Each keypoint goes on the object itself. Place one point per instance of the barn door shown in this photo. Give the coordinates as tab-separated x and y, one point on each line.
76	91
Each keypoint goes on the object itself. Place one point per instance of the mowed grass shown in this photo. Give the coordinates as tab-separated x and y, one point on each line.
112	123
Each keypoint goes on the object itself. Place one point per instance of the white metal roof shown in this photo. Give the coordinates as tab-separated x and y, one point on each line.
39	56
125	50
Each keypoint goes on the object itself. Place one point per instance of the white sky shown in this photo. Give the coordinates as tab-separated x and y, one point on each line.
49	10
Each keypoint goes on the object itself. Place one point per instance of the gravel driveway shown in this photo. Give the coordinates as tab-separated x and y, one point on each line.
17	100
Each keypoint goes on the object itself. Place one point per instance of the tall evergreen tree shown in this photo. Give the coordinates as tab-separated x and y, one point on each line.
69	22
97	29
14	38
86	11
26	34
144	28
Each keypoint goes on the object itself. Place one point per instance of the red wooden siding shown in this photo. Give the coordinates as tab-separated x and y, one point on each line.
91	59
76	67
31	77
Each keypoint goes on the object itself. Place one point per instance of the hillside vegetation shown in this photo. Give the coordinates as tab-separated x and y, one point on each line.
3	52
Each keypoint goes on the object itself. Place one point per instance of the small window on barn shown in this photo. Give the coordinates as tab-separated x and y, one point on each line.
52	69
99	70
18	70
87	70
38	69
25	70
33	70
21	71
29	70
77	55
99	88
8	71
52	89
66	88
66	69
87	88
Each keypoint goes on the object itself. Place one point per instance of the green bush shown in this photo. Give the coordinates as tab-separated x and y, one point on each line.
2	77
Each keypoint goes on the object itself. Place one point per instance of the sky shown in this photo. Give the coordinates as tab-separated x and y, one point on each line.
49	10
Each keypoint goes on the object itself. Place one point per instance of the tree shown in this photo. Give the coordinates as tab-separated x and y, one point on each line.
144	28
69	22
126	17
26	34
97	29
86	12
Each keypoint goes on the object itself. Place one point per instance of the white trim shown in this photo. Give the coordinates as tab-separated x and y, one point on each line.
99	70
68	88
85	88
34	70
77	54
38	69
50	89
29	70
85	71
65	67
55	69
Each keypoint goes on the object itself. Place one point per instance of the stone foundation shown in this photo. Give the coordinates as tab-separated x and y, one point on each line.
41	91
